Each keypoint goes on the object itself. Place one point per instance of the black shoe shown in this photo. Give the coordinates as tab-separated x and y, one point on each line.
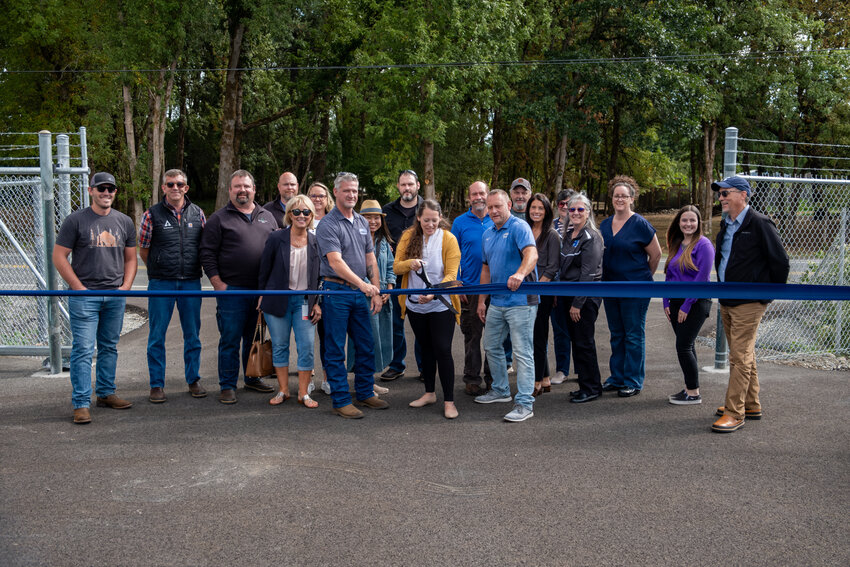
575	393
391	374
628	392
606	387
584	397
258	385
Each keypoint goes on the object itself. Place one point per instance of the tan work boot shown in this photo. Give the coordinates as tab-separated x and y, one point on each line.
82	415
114	402
348	412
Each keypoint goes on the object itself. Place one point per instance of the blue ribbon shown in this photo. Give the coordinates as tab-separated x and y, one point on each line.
730	290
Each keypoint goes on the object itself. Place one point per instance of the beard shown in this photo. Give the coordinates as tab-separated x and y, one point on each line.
408	196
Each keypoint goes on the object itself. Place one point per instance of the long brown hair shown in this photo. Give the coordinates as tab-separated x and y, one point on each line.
414	244
675	237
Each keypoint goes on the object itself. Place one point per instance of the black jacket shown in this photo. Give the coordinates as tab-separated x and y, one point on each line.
274	271
232	244
173	253
581	261
757	254
277	211
396	220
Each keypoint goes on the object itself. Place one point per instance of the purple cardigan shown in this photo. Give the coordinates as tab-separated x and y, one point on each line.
703	257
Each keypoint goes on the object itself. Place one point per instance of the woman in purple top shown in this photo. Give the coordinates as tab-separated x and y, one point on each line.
690	257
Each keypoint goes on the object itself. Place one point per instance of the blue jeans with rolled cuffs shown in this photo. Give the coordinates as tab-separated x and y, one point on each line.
348	315
518	322
160	310
280	329
627	325
94	321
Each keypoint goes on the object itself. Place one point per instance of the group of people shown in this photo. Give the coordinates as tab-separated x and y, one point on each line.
318	241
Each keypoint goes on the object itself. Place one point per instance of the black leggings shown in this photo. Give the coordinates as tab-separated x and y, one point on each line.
541	337
435	331
686	334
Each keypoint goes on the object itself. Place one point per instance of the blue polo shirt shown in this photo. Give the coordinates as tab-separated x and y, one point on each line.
351	238
468	230
502	250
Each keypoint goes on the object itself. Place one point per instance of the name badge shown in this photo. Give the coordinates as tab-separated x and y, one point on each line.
364	232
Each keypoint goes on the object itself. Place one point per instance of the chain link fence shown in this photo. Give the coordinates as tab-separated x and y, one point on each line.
813	218
24	326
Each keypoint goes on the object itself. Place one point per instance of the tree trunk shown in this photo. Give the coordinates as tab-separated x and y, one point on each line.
615	142
181	127
560	165
498	146
428	178
321	162
709	140
160	99
228	158
132	157
694	173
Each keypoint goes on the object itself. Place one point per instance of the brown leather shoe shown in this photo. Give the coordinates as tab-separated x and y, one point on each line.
157	395
727	424
348	412
82	415
474	389
227	396
374	402
197	390
114	402
753	414
258	385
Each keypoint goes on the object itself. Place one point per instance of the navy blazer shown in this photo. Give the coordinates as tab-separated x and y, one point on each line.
274	271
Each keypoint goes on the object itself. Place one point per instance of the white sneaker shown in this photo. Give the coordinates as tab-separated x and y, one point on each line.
310	388
326	387
519	413
558	378
380	390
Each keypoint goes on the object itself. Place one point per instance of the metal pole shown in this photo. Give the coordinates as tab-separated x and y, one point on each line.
730	152
63	161
54	336
839	309
730	162
84	163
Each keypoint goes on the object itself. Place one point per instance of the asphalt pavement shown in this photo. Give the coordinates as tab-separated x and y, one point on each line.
612	482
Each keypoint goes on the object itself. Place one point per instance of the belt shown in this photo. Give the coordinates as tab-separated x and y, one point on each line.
339	281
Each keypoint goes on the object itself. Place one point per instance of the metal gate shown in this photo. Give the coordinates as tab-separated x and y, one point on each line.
34	200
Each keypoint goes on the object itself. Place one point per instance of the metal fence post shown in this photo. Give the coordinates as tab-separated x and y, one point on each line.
84	164
839	308
63	160
54	334
730	163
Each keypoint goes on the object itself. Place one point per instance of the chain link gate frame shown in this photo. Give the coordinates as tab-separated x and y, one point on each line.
813	219
33	203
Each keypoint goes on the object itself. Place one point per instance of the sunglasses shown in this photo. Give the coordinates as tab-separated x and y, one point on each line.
579	209
562	204
408	172
726	193
301	212
106	188
179	184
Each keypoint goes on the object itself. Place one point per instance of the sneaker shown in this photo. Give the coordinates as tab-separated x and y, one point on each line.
310	387
558	378
326	387
683	399
380	390
492	397
519	413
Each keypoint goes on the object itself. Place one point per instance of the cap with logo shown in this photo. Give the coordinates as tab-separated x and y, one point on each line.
520	182
102	178
734	182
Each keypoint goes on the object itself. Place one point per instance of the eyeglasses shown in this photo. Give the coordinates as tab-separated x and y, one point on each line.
579	209
179	184
562	204
301	212
318	196
107	188
726	193
621	197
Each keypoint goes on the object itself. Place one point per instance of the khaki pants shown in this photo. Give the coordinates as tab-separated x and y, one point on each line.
741	324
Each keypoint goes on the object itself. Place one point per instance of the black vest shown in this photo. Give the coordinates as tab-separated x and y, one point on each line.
174	245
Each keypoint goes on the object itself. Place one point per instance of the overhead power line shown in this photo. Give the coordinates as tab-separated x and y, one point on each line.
675	58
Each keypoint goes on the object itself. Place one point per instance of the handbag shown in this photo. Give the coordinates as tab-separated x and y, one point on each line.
260	357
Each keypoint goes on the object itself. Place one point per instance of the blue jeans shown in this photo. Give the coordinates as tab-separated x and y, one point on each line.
399	342
517	321
94	320
237	319
561	336
160	310
627	325
279	329
348	314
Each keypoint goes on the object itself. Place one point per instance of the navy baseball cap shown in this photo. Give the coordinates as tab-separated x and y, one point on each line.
102	178
734	182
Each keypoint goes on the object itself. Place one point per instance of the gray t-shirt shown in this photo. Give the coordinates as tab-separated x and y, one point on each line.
97	245
351	238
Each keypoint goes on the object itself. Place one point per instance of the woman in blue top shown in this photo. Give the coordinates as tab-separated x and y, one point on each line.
690	257
631	253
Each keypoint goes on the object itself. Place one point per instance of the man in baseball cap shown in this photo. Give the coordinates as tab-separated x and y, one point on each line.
520	194
734	182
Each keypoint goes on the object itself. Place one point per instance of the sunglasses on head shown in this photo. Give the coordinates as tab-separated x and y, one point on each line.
106	188
579	209
725	193
171	184
301	212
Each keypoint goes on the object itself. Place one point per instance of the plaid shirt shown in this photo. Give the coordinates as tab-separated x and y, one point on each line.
146	229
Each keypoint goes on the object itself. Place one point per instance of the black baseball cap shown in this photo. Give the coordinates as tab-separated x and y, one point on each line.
102	178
